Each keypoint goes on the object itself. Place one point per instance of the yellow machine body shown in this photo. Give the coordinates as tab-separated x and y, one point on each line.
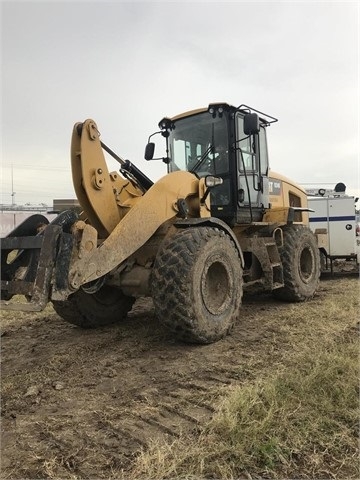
193	240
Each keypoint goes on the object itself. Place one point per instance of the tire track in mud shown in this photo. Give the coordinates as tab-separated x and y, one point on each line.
178	411
178	387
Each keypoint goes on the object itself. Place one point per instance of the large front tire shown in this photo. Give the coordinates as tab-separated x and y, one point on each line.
300	258
197	284
108	305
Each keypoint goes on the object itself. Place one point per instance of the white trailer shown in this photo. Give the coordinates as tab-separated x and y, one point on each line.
333	220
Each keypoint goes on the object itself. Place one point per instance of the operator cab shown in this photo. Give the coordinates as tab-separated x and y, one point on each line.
228	143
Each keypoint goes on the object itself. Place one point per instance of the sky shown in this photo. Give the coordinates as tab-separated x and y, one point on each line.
128	64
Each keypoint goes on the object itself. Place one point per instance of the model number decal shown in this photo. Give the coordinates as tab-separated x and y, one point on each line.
274	187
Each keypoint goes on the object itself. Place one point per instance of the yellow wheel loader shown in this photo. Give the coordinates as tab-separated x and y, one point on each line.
217	223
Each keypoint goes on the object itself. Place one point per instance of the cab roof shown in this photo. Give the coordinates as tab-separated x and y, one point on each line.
264	118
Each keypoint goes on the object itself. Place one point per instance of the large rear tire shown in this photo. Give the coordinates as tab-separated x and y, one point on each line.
300	257
197	284
108	305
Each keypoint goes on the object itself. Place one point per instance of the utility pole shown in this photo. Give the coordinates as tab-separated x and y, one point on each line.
12	187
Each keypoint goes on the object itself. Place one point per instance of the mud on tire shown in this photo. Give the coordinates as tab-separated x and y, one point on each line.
301	264
197	284
104	307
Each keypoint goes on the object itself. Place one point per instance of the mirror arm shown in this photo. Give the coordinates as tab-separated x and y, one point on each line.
155	133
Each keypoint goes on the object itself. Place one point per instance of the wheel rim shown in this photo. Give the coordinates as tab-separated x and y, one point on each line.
215	288
306	264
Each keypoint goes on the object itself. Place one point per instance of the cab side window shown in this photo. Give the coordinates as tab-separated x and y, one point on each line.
246	154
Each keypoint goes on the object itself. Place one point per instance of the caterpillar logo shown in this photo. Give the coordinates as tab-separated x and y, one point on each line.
274	187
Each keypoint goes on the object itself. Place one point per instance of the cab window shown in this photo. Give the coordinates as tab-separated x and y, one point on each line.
246	154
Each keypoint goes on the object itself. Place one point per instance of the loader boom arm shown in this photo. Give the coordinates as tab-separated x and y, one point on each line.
139	225
106	199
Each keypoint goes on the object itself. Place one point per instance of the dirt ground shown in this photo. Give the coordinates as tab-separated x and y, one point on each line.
82	403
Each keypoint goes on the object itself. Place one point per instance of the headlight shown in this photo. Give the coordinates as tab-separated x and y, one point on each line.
211	181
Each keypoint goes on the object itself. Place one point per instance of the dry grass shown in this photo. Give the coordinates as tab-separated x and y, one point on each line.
299	420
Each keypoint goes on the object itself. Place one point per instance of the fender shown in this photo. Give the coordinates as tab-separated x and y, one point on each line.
211	222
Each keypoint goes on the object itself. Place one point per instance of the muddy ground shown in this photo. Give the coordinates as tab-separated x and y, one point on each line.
82	403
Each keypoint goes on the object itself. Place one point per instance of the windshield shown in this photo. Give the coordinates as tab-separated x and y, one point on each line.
199	144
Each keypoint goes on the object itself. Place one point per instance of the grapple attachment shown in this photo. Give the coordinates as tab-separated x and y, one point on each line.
35	259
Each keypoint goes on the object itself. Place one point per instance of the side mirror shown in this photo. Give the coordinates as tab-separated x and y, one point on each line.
251	124
149	151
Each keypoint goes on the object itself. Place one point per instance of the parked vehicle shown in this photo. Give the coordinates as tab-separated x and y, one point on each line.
334	222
